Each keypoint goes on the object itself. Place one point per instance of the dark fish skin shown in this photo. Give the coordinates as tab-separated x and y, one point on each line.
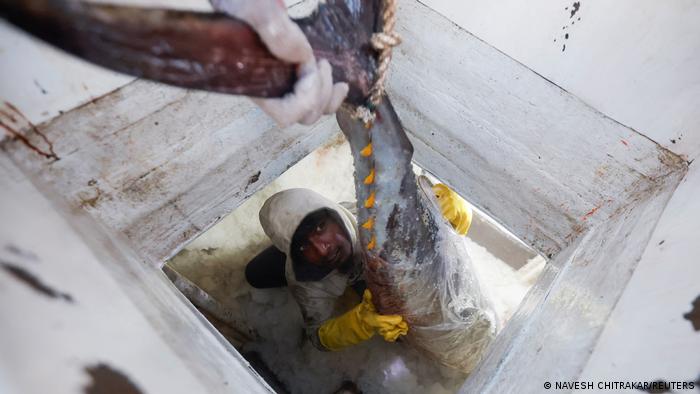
418	266
403	225
205	51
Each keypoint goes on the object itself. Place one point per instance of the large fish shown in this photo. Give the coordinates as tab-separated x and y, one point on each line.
416	265
199	50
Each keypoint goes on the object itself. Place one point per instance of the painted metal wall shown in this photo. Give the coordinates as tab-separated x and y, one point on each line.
81	313
637	62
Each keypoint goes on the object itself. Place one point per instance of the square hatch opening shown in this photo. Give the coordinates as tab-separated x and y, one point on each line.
265	325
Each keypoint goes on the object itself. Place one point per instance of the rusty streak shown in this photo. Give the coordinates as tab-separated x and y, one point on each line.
590	213
34	128
16	134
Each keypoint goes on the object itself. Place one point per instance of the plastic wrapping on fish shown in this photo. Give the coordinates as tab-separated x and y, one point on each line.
449	316
416	264
466	323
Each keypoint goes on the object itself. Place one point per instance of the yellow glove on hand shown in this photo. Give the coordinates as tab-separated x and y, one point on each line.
453	208
359	324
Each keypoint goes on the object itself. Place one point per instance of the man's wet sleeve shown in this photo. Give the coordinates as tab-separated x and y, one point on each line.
316	307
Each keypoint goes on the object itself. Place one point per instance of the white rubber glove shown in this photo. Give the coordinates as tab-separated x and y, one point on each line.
314	94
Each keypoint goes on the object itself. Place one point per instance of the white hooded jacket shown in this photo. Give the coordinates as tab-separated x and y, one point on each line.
280	216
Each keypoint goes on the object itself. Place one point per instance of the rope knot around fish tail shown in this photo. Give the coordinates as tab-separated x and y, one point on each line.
383	42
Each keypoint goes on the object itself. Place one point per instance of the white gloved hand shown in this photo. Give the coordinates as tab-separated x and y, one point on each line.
314	94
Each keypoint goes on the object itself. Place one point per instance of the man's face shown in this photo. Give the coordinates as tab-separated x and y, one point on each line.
327	244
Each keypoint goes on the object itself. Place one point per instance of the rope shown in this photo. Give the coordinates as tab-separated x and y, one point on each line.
383	42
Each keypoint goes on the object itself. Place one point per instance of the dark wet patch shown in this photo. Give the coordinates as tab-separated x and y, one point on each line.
107	380
259	365
694	315
574	8
254	178
33	282
19	252
348	387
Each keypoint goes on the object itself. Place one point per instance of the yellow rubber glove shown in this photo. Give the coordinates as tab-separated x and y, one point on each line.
453	208
360	324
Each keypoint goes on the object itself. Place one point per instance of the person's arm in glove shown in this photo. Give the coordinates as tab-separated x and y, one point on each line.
453	208
360	324
314	94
